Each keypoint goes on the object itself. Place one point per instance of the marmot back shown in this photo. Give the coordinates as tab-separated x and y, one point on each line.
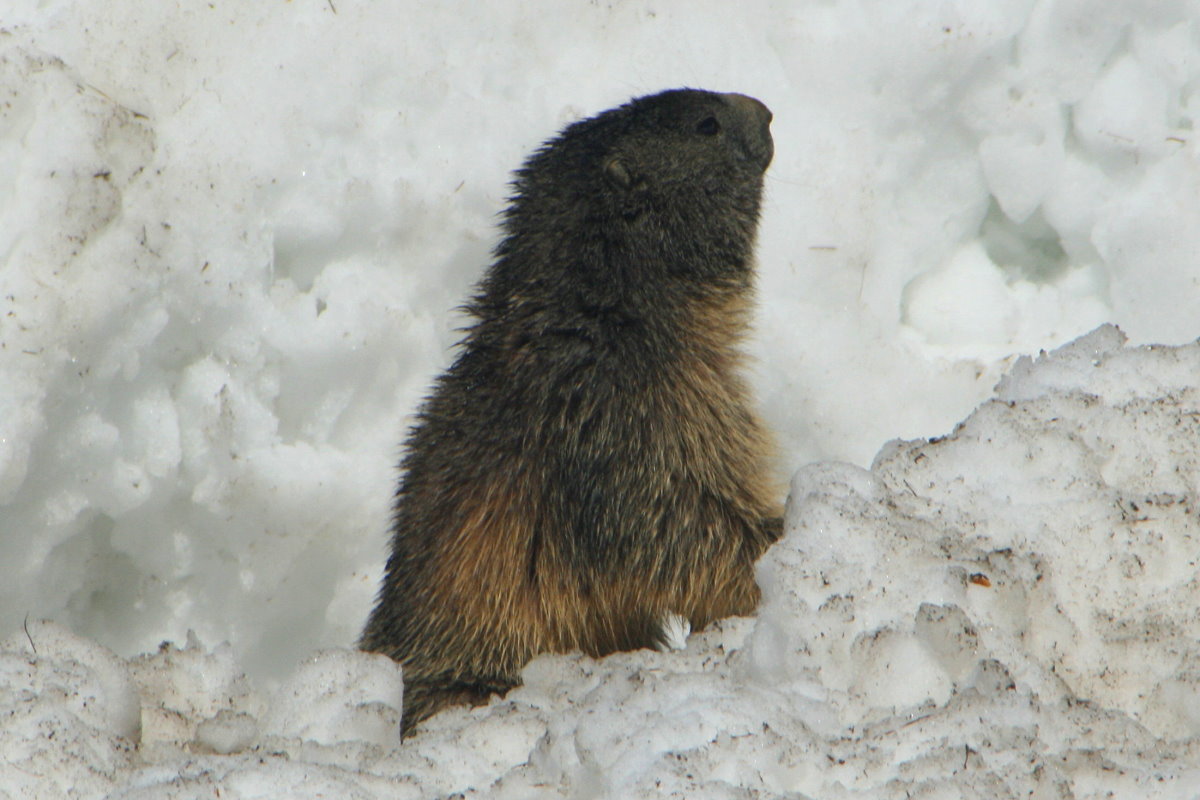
591	462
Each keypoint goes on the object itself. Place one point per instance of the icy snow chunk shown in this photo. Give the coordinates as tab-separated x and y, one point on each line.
186	687
815	624
340	696
71	713
1081	476
1071	368
106	699
1097	365
1125	111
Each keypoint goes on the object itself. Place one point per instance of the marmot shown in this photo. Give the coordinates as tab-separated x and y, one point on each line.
590	463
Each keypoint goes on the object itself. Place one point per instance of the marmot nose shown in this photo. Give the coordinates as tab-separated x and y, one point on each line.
756	128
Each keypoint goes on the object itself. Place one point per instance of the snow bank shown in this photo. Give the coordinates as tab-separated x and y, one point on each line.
1008	611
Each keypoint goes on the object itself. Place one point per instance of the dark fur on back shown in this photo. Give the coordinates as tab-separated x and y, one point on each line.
591	461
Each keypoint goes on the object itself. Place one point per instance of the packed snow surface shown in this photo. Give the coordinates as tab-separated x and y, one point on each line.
232	239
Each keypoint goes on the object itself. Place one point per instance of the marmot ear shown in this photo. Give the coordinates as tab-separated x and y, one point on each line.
617	172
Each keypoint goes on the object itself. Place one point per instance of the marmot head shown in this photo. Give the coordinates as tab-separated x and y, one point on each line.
684	139
667	184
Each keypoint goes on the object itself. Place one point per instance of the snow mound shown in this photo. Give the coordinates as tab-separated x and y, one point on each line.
1007	611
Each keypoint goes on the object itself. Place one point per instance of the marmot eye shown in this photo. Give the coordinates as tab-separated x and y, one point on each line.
708	126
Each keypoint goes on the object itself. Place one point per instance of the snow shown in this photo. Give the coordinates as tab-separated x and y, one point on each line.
232	238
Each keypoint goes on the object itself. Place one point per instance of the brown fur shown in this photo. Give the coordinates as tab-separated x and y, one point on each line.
590	464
